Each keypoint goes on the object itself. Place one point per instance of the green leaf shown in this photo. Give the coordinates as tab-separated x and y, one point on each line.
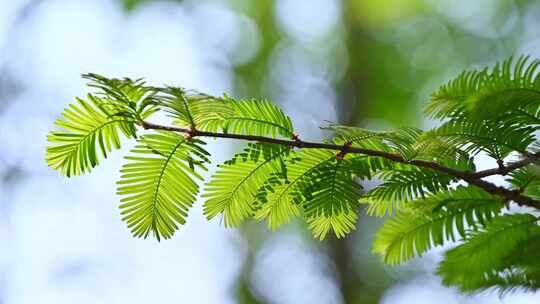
518	270
279	200
449	100
493	110
259	118
358	137
442	152
509	86
430	222
85	126
498	140
489	93
195	110
341	223
203	112
232	189
402	185
122	96
330	196
526	180
401	141
410	143
469	265
330	188
319	184
159	183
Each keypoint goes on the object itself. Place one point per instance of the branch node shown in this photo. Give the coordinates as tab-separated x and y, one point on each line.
503	170
191	133
344	150
145	125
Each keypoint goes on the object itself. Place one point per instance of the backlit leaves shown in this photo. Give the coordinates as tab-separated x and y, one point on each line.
431	221
88	131
159	183
420	179
232	189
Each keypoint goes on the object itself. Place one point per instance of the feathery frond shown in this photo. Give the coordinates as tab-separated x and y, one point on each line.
430	222
440	151
526	180
259	118
498	140
449	100
86	125
330	196
195	110
410	143
250	117
518	270
280	200
341	223
232	189
482	255
510	280
159	183
401	186
401	141
124	96
114	109
488	93
494	111
511	85
358	137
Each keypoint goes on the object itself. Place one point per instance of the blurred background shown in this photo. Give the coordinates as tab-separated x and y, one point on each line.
359	62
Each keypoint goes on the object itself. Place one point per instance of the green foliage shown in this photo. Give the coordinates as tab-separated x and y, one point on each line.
98	121
495	111
408	142
207	113
482	257
74	148
401	141
420	176
507	87
403	185
433	220
257	117
330	196
527	180
279	199
159	183
358	137
497	139
232	189
194	109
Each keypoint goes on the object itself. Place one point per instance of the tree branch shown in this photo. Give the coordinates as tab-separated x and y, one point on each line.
503	170
474	178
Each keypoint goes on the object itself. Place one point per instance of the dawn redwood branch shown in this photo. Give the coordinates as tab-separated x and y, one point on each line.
503	170
474	178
